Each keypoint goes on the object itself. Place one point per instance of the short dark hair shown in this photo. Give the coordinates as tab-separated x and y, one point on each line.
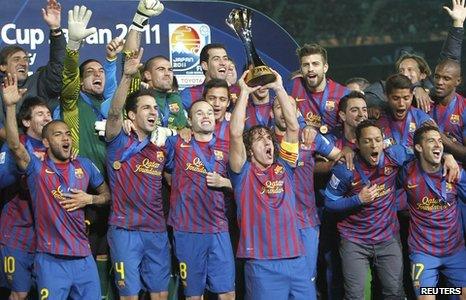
25	111
9	50
365	124
362	82
352	95
308	49
149	62
397	82
132	100
248	139
83	65
421	62
46	129
192	105
419	135
204	56
215	83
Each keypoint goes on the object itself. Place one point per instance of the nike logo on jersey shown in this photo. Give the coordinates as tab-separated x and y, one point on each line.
355	183
300	99
47	171
412	186
183	145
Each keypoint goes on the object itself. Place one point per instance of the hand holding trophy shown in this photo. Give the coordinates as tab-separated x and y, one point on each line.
259	74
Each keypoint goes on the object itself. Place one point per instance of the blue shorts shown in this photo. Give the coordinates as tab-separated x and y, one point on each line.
62	277
277	279
17	269
206	261
310	239
141	260
425	269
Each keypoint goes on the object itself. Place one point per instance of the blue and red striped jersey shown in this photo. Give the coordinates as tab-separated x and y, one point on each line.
402	132
16	220
337	137
136	183
195	207
435	226
451	118
304	181
317	108
374	222
266	212
261	114
222	130
59	231
194	93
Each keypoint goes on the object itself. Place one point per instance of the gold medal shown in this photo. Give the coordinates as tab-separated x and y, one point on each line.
116	165
323	129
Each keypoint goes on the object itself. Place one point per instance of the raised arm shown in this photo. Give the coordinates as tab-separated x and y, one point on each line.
452	46
11	96
288	107
238	117
78	18
50	80
115	113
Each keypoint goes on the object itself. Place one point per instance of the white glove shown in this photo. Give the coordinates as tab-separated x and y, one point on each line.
100	127
160	135
146	9
78	18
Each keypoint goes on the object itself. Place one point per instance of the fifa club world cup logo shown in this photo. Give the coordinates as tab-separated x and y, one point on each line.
259	74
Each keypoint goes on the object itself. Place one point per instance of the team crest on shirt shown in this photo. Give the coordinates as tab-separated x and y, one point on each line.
388	170
455	119
160	156
278	170
218	155
174	107
412	127
78	173
330	105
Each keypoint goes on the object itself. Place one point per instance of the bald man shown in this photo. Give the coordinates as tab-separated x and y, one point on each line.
448	108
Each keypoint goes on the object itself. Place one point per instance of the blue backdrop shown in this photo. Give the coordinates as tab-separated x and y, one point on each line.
184	25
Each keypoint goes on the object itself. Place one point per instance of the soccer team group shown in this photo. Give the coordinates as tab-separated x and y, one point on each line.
230	169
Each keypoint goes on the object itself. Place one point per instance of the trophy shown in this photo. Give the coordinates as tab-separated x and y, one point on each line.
259	74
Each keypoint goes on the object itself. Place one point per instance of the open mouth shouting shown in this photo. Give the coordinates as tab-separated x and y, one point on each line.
269	152
374	157
400	113
437	154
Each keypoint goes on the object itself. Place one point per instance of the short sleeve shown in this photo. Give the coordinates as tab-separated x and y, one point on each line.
323	145
95	177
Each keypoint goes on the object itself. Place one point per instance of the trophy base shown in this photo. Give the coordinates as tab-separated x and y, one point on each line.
260	75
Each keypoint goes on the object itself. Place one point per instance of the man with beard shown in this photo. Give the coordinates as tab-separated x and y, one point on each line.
436	244
46	81
316	96
63	263
17	243
198	209
157	72
215	64
137	235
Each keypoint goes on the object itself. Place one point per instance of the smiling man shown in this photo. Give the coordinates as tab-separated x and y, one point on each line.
214	63
436	243
46	81
198	209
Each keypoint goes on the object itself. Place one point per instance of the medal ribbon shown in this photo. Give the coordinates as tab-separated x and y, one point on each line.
359	169
397	135
71	174
208	164
134	148
442	194
100	116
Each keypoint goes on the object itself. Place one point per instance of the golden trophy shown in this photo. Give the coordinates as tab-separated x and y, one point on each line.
240	20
